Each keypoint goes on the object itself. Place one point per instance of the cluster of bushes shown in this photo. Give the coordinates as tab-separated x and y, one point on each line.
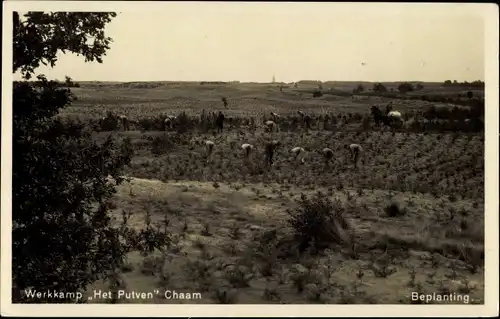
474	84
432	119
182	123
309	82
405	87
460	98
453	113
463	99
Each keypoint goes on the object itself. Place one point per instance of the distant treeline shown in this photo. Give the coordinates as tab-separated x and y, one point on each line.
478	84
474	84
218	82
68	82
212	82
309	82
55	83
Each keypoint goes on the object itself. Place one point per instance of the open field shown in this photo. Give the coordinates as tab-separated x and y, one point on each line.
414	205
137	100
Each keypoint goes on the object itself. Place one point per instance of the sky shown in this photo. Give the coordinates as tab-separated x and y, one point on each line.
293	41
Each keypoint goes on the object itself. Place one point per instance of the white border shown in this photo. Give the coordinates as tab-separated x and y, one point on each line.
490	308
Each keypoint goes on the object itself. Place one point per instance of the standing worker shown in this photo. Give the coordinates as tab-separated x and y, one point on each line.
270	149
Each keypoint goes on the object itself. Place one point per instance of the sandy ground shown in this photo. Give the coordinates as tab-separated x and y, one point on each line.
225	221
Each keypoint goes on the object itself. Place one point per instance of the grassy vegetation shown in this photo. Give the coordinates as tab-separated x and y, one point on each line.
237	238
410	218
149	99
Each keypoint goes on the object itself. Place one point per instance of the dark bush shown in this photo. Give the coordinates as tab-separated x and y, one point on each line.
320	221
379	87
110	122
184	123
405	87
317	93
393	210
162	144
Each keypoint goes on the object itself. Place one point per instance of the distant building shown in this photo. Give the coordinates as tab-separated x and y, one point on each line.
274	79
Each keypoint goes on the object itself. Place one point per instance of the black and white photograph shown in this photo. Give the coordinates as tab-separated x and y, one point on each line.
282	158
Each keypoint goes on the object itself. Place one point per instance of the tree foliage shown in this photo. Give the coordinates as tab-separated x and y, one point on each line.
359	88
474	84
379	87
405	87
39	36
63	237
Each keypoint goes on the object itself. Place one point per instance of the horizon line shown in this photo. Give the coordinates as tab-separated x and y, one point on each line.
262	82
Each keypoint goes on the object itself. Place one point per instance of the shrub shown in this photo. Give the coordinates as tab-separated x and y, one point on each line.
161	144
358	89
317	93
405	87
184	123
110	122
393	210
320	221
379	87
155	123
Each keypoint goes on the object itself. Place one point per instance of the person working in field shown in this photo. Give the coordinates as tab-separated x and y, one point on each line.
355	150
270	150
